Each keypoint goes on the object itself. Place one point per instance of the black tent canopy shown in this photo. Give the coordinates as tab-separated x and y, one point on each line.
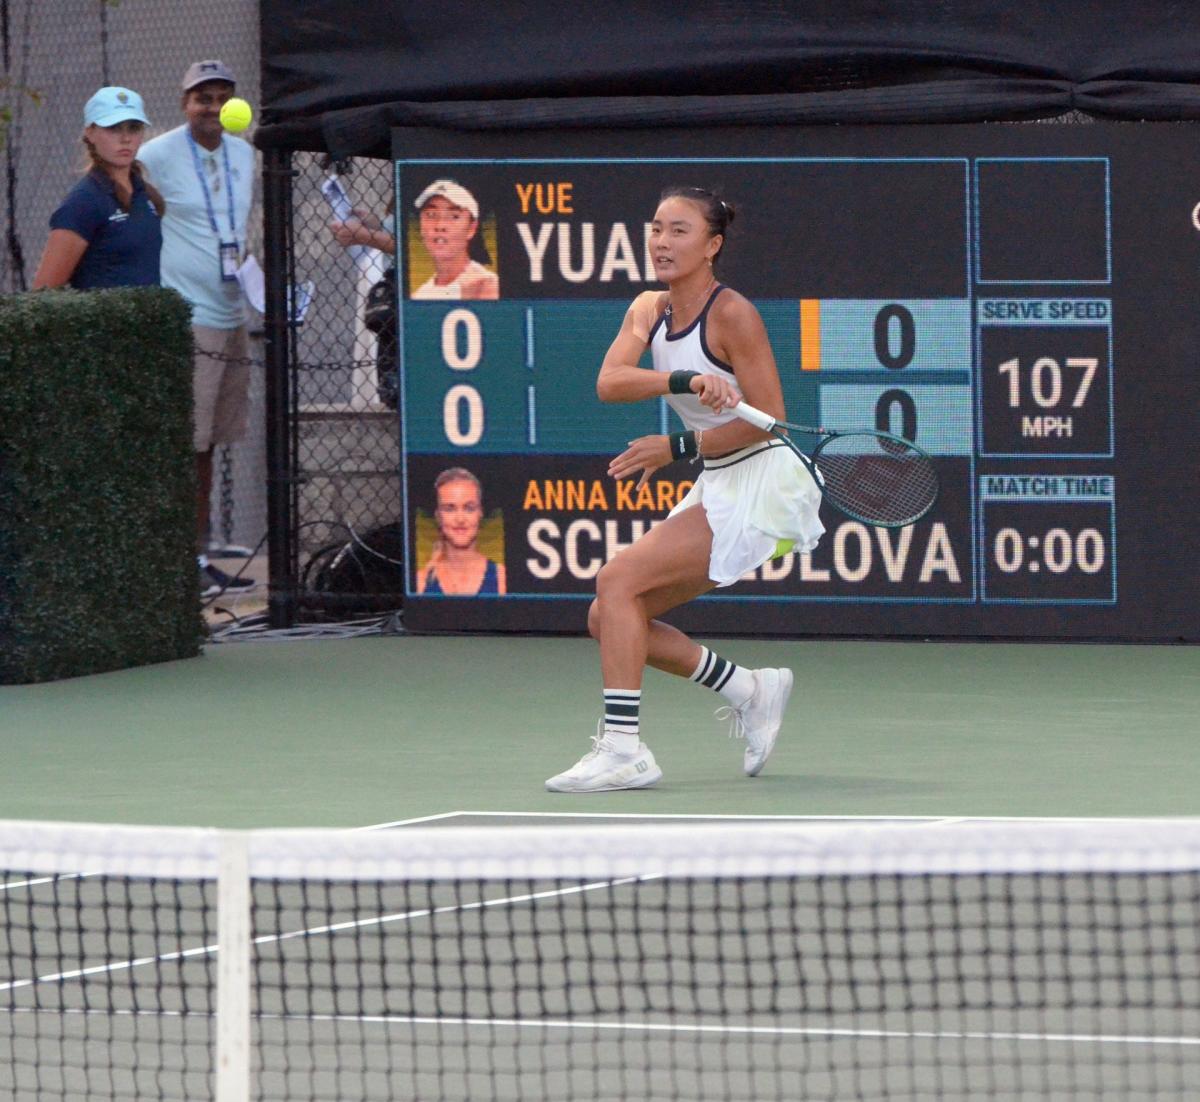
338	75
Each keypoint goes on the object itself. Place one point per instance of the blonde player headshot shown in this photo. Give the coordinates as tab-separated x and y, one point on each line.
449	222
457	568
750	503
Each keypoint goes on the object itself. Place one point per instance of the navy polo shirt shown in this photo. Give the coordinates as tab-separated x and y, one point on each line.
123	246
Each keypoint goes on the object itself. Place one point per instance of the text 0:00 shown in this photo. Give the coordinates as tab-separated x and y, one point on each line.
1059	551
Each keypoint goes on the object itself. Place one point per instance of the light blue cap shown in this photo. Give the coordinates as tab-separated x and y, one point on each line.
110	106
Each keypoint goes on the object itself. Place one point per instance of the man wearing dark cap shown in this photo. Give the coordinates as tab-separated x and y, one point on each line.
206	177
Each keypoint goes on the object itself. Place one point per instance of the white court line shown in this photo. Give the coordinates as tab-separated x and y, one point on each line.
111	966
946	820
772	1031
830	1032
12	885
478	905
679	815
354	924
410	822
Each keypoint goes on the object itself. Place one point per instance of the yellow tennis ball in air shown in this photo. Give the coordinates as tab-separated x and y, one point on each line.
236	115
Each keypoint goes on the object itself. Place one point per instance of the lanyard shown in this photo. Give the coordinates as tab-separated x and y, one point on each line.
208	203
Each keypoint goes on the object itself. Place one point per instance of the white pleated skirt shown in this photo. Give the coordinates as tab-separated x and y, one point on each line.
754	498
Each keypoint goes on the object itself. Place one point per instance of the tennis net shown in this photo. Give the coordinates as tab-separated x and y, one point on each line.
975	960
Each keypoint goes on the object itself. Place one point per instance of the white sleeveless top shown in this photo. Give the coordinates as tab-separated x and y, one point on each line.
688	351
431	289
753	498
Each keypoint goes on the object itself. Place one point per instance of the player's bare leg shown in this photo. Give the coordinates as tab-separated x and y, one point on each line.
665	568
756	698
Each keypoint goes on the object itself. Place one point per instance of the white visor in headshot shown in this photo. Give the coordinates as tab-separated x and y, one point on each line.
452	192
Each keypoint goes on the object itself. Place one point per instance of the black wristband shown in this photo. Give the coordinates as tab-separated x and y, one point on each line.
683	444
680	382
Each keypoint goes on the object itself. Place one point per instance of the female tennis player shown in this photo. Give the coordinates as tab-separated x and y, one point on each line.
457	567
751	502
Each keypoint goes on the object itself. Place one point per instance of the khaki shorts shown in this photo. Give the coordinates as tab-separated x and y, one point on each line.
220	390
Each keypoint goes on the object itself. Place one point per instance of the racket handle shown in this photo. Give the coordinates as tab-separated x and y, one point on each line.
756	417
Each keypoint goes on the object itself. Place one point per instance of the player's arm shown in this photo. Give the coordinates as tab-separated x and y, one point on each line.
63	252
620	378
352	232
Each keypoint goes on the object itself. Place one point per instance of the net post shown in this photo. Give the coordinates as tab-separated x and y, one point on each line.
233	969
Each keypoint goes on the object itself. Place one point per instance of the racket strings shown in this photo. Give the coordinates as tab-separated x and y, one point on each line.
877	480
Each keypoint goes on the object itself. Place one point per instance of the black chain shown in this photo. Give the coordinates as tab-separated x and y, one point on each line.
226	507
299	365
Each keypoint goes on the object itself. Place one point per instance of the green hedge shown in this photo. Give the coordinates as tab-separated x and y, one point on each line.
97	483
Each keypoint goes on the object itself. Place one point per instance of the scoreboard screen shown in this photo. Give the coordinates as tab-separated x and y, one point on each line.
1021	301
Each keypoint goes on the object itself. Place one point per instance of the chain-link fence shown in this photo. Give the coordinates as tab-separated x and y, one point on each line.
346	435
56	53
346	451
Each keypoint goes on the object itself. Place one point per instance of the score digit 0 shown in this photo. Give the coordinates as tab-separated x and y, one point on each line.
462	350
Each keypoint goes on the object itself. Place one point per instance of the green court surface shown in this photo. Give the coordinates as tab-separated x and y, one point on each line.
519	987
375	730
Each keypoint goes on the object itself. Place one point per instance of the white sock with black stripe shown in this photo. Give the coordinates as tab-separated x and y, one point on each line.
621	718
735	683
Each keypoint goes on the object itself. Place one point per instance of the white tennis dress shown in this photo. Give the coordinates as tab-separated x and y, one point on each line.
754	497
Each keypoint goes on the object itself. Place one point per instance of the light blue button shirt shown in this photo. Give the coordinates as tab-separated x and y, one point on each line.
191	261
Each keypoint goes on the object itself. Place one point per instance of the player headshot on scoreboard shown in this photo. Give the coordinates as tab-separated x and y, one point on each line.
457	567
451	245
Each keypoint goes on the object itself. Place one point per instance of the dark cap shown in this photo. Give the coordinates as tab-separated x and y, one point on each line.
201	72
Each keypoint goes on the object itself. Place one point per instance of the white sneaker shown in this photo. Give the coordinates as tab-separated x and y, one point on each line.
759	719
604	769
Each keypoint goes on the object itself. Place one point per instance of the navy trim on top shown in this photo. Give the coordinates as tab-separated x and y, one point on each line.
662	318
699	317
714	462
708	352
702	321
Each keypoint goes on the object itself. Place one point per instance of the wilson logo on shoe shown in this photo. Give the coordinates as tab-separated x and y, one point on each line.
641	767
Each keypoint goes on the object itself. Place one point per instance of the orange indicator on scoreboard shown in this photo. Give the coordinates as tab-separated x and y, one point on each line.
810	334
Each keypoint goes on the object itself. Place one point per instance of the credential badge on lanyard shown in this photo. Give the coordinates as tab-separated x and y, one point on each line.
229	261
228	252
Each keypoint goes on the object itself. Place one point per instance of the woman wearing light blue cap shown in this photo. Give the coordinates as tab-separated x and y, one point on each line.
107	232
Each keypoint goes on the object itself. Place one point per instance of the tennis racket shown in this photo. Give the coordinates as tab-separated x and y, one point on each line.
874	477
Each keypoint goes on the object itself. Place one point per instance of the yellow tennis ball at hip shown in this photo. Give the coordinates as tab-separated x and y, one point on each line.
236	115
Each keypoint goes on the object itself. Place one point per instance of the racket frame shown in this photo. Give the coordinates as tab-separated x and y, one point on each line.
780	429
